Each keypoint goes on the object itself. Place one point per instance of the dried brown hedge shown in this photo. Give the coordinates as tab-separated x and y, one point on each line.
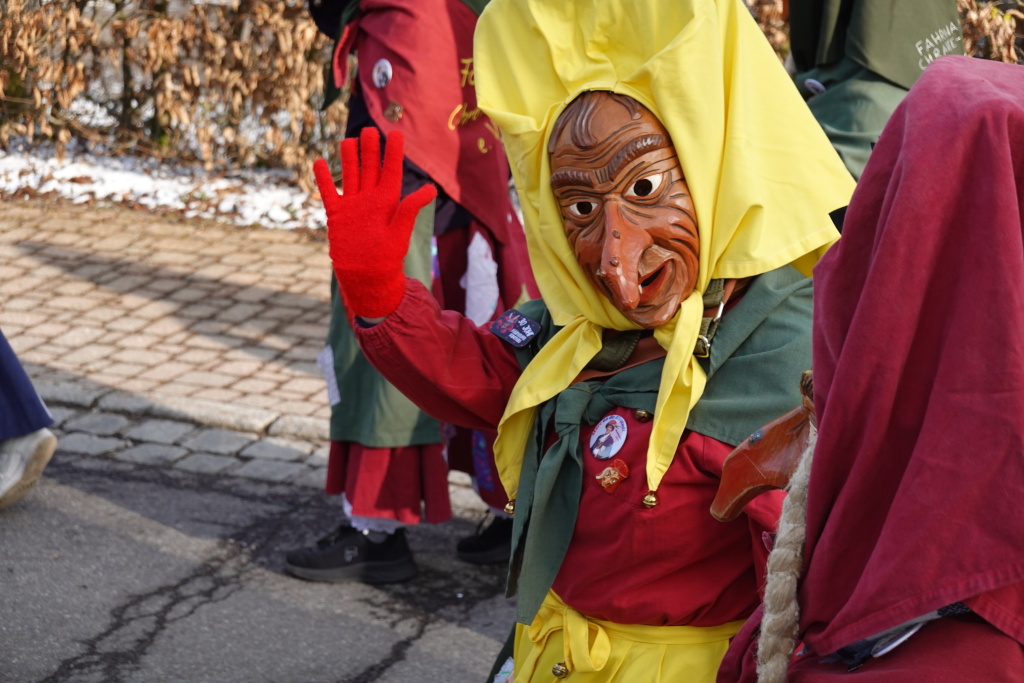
234	83
993	30
224	85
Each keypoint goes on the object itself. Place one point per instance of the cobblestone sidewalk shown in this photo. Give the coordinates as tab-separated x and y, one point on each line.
181	344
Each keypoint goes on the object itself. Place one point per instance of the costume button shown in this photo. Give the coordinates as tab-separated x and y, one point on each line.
642	415
814	87
393	112
510	507
613	475
560	670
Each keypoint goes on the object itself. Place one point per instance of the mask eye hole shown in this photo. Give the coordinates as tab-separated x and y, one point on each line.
580	209
646	186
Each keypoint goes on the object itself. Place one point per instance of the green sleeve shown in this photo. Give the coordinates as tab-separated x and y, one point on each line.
370	410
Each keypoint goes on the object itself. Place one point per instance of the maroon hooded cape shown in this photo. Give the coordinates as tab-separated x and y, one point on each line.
915	495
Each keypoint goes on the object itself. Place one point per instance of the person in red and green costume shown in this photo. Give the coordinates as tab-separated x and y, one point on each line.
676	192
388	458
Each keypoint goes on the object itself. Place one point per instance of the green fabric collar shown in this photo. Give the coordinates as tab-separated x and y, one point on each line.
754	369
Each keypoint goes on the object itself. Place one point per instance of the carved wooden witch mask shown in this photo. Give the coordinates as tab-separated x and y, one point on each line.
625	205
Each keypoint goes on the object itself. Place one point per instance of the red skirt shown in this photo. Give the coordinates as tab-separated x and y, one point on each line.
407	484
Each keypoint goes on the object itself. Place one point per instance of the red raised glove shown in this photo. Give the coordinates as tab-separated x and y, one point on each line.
369	226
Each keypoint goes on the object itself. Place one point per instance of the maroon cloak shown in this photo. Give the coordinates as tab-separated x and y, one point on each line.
914	501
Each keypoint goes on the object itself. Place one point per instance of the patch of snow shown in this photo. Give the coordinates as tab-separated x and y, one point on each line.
264	198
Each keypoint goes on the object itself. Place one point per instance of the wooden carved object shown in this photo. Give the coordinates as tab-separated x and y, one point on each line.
767	458
625	205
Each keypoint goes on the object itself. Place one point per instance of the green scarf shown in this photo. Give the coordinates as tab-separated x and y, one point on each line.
757	357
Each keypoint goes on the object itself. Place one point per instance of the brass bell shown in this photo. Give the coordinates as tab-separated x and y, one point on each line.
510	507
650	500
642	415
560	670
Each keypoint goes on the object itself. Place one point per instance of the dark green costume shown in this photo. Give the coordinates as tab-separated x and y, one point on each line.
856	59
370	410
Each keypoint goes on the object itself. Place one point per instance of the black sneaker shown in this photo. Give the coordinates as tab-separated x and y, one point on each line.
346	554
490	546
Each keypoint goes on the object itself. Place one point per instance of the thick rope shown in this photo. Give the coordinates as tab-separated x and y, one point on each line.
780	622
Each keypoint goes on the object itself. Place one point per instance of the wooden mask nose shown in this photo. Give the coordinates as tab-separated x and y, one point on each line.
624	244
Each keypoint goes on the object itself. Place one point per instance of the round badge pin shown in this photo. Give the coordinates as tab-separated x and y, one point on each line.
815	87
608	436
382	73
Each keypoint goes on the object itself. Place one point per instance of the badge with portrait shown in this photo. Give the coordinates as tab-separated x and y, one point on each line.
608	436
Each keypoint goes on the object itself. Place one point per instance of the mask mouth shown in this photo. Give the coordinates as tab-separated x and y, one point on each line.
649	280
657	269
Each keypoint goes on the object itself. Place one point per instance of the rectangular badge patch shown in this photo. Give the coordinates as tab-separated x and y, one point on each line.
515	328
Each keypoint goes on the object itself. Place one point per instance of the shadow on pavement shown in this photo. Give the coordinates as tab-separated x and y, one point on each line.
255	320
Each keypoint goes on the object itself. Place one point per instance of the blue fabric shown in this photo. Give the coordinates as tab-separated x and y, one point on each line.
21	410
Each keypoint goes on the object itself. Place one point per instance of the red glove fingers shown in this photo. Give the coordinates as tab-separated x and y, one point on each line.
325	183
369	156
368	226
350	165
411	207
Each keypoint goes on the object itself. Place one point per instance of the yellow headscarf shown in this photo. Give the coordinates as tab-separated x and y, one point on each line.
762	174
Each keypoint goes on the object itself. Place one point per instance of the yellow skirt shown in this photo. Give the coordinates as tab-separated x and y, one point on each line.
562	641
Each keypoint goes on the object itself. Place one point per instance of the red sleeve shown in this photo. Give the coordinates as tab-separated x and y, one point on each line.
762	513
451	369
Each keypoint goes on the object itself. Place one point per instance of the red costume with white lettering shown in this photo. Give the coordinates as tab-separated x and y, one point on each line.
415	75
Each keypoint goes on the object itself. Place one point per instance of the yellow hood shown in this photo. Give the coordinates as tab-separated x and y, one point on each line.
762	174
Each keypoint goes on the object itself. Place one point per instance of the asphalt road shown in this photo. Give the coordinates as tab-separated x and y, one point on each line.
115	571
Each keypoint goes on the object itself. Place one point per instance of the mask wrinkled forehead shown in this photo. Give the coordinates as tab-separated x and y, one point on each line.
580	122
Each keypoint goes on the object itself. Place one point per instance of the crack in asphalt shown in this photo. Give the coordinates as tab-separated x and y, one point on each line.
404	603
136	625
141	619
398	612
